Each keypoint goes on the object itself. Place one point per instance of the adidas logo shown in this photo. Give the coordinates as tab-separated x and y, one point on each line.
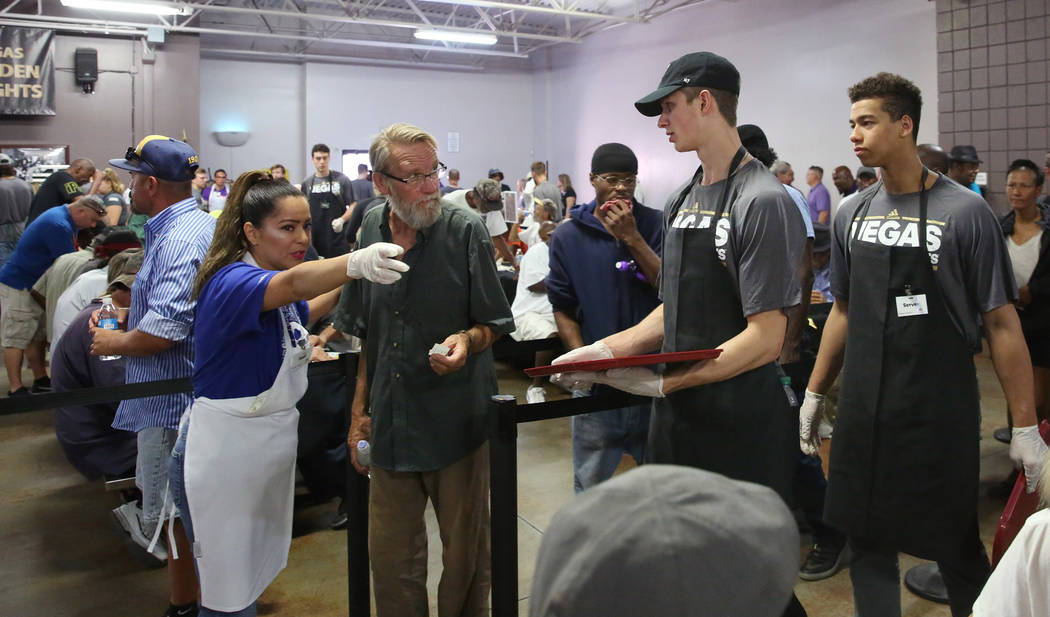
893	214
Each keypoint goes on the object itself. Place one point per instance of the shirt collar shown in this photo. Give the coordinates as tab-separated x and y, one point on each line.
159	223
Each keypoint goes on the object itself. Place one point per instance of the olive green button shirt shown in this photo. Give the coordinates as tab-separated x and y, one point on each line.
422	421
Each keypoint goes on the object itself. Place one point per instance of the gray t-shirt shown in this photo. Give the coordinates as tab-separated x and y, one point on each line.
15	197
760	237
549	190
963	238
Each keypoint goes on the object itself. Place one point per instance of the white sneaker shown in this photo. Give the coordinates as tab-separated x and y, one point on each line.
535	394
129	518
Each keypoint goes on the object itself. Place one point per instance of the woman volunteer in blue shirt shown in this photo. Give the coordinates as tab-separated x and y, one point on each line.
233	466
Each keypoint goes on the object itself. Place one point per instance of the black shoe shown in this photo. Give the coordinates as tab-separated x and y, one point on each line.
21	391
41	385
341	519
824	561
188	610
1004	434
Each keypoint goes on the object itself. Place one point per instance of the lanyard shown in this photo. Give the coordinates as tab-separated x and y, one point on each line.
698	176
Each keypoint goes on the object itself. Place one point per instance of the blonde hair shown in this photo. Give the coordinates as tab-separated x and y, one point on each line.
399	134
110	174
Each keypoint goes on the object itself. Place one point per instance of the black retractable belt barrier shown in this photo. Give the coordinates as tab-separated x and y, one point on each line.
357	580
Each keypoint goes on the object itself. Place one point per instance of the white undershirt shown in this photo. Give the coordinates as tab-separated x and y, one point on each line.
1020	584
1024	257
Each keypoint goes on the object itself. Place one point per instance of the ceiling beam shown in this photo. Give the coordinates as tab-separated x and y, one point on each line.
541	9
321	58
364	21
291	37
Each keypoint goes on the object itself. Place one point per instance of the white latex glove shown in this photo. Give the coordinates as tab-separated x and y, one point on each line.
337	225
809	416
633	379
1027	450
573	381
377	263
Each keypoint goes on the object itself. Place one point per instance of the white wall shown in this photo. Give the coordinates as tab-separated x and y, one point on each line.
290	107
264	98
796	61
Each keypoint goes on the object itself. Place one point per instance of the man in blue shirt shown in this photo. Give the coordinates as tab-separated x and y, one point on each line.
159	340
47	238
604	266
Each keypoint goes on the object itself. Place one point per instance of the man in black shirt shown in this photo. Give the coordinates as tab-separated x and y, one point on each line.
62	187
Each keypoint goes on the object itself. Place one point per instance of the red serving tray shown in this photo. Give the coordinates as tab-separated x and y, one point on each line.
624	361
1019	507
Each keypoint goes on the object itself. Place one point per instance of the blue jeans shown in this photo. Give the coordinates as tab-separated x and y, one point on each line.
600	439
177	486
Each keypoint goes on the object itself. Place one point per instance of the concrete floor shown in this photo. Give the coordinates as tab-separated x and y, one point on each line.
62	558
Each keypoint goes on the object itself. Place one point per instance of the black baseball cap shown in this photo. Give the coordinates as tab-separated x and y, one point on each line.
701	68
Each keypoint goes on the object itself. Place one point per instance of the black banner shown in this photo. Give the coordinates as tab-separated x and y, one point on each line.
27	71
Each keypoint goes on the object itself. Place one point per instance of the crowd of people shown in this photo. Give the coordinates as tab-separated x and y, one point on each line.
889	295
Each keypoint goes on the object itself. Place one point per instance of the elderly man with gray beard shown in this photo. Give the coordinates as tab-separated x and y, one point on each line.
424	380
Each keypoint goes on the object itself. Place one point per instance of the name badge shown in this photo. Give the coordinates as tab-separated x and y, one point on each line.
324	205
909	306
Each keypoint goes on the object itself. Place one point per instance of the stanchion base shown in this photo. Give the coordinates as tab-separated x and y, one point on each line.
925	581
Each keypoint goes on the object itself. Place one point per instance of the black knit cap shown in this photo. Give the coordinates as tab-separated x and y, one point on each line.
703	69
614	158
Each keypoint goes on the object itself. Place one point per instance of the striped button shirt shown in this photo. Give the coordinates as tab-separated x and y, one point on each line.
177	239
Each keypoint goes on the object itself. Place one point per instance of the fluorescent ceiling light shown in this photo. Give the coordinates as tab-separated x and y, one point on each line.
453	36
141	8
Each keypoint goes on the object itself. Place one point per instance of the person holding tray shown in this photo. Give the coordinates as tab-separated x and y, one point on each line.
732	246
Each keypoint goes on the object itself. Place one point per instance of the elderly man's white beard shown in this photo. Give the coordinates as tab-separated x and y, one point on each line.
421	214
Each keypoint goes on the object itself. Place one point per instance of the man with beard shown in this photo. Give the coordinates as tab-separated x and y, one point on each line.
428	402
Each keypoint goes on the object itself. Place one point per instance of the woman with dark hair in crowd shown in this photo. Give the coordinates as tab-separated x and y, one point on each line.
111	189
568	194
233	467
1027	230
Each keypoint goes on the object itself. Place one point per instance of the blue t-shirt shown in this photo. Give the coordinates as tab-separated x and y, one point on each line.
238	347
47	238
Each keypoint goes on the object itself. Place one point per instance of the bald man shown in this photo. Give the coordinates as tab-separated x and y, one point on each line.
934	158
62	187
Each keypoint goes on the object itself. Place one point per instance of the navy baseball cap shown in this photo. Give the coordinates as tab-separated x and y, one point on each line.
703	69
162	157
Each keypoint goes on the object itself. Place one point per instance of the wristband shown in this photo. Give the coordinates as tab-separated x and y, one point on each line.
470	340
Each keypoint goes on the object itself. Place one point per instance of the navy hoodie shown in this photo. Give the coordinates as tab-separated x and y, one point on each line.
584	282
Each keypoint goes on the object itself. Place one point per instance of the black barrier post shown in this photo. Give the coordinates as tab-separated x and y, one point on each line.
357	568
503	487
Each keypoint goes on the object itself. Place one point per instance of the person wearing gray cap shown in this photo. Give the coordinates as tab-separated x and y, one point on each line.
866	176
732	250
15	196
662	540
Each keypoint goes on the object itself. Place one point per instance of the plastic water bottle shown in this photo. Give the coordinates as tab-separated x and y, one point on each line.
364	454
107	320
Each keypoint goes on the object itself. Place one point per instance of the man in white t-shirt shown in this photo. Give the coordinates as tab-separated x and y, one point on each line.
484	196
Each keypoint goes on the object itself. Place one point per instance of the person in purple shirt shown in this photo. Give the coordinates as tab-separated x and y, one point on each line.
819	199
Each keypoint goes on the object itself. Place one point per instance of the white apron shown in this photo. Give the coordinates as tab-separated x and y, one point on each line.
240	480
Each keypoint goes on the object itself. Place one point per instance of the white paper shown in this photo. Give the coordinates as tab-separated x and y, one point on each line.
909	306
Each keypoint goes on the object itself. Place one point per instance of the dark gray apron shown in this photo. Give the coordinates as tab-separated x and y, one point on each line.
744	427
324	207
904	459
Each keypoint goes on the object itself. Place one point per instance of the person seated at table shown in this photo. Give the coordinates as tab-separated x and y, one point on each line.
532	310
1018	585
667	540
544	211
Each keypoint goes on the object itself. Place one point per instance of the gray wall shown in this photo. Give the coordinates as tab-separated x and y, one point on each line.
134	96
993	79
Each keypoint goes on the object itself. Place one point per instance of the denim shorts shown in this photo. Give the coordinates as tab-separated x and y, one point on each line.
151	472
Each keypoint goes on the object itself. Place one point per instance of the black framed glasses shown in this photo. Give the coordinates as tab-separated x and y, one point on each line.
624	182
417	179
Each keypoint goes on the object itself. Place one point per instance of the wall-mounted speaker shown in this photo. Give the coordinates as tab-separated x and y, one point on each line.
85	67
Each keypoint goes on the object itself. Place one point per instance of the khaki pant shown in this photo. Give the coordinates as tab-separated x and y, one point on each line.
397	538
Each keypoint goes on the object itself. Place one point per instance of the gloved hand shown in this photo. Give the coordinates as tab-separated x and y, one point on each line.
578	380
337	225
1027	450
633	379
809	415
377	263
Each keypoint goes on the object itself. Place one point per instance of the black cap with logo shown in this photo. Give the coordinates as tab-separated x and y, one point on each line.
703	69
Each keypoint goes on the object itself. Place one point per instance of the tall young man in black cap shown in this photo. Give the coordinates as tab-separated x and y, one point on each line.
918	265
604	265
732	245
